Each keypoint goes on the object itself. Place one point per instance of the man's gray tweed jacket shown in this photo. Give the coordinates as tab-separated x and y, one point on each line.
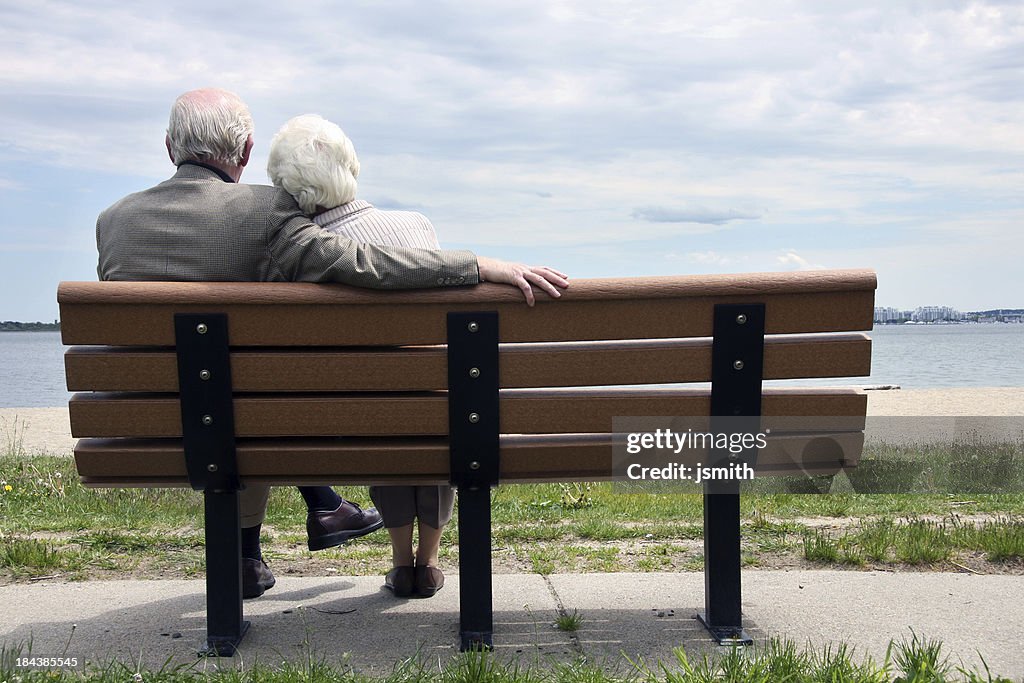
195	226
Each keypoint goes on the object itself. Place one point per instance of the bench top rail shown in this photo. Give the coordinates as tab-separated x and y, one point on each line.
302	314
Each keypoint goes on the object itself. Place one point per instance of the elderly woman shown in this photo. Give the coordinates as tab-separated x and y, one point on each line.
313	160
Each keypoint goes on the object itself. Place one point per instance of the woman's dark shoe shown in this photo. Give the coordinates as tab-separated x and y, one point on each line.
256	578
400	581
429	580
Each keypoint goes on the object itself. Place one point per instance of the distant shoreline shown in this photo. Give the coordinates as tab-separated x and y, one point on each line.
942	323
13	326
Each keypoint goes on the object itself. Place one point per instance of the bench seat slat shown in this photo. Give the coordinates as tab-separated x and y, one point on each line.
523	411
301	314
425	368
572	457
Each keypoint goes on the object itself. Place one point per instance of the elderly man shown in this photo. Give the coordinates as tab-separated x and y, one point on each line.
203	225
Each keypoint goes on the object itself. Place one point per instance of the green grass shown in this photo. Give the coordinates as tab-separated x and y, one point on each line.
570	623
820	547
1001	540
50	524
34	556
921	542
916	660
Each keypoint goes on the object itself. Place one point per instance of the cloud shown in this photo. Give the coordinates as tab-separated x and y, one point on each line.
696	214
793	261
706	258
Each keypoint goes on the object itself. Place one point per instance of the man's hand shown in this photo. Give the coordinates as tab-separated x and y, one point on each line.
522	276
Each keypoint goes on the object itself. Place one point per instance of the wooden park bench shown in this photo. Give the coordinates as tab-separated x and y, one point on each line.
212	385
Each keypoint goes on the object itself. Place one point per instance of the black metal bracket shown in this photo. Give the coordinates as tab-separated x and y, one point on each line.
225	626
473	430
208	438
207	411
737	370
473	427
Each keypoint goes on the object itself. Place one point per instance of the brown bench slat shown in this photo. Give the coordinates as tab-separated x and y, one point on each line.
523	411
425	368
575	457
301	314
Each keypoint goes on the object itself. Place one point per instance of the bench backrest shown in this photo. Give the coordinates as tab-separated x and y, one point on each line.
312	362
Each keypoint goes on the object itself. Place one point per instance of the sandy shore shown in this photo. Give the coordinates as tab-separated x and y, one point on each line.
987	402
47	430
35	430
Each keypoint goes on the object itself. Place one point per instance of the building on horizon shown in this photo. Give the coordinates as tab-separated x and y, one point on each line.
891	315
931	314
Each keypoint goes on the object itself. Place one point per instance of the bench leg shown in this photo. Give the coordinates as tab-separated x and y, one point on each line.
224	625
476	617
722	596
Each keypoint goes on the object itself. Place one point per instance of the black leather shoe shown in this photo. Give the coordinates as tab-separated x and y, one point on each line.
256	578
429	580
328	529
400	581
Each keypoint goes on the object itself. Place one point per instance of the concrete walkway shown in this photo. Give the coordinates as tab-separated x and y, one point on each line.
354	619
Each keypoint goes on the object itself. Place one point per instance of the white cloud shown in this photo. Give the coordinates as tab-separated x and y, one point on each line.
710	258
794	261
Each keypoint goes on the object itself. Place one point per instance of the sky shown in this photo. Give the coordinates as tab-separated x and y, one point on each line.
604	138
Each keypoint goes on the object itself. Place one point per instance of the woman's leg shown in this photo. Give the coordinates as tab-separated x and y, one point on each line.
429	544
401	545
434	510
434	506
397	505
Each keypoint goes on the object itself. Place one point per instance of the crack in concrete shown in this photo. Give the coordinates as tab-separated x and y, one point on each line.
574	639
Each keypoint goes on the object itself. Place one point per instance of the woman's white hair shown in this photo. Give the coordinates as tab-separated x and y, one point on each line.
209	125
315	162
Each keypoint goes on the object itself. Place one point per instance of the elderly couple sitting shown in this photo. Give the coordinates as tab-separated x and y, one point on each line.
313	160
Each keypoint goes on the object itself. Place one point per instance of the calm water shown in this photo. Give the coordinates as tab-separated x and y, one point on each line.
912	356
32	370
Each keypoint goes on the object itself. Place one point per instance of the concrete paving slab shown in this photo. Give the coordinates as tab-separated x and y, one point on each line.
353	620
974	616
650	614
345	619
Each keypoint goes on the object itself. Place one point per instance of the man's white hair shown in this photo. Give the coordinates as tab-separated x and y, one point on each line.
315	162
209	125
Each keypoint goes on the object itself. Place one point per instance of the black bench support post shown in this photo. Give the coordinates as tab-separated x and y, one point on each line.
737	368
208	435
473	443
